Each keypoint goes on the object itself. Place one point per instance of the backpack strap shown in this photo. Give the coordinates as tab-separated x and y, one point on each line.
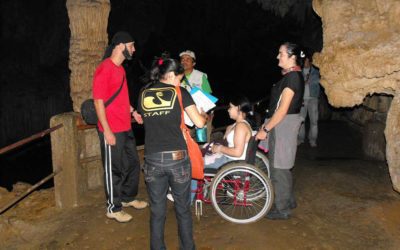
109	101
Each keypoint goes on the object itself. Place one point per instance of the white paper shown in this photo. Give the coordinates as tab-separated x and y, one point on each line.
202	103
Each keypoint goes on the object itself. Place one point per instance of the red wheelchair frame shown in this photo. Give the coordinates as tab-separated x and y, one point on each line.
240	191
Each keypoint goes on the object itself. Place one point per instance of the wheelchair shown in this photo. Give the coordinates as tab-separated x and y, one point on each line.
240	191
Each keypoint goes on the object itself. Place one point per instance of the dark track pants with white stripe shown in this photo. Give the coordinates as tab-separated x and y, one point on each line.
121	170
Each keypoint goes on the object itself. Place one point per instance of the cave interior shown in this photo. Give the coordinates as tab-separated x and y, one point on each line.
236	44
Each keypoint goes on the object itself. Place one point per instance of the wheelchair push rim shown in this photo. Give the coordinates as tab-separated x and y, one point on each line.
241	180
262	163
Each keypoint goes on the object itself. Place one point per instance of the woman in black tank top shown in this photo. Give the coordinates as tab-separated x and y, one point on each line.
279	133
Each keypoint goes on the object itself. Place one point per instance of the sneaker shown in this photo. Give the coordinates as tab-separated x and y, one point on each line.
136	204
119	216
299	142
313	144
170	197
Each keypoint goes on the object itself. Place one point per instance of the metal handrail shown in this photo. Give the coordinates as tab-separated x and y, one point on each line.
17	199
19	144
29	139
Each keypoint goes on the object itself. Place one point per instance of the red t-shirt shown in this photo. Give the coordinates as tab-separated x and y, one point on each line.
106	81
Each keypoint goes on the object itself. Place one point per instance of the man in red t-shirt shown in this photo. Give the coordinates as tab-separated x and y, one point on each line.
118	146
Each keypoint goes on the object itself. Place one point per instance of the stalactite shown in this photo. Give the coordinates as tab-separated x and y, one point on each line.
361	57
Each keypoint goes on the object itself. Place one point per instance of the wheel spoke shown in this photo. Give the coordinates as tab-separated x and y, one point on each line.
241	194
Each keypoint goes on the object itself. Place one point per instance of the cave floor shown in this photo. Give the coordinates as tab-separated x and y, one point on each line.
344	202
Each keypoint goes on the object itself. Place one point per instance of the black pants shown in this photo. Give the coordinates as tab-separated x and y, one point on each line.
121	169
282	180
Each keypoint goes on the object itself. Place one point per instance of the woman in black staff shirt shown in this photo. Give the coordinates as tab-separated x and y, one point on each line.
166	159
282	128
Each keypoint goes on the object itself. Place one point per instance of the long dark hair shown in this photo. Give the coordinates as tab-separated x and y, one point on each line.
244	106
295	50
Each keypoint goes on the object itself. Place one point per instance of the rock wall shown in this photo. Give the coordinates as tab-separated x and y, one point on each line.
88	25
361	57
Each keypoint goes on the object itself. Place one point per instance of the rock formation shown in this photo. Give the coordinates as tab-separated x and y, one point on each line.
360	57
88	25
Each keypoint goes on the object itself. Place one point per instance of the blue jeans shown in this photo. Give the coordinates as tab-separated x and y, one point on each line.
161	172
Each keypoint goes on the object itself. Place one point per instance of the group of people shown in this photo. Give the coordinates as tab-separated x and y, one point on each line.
160	105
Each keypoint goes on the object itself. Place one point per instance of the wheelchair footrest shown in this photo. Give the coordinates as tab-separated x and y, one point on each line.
198	208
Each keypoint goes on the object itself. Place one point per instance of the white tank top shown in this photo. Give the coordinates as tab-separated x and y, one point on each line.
231	144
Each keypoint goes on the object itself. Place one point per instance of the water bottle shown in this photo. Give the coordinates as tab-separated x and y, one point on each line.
201	134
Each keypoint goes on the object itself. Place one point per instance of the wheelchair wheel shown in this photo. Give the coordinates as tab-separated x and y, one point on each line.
262	162
241	193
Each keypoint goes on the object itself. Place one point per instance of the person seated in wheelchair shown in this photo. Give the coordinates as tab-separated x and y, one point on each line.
237	137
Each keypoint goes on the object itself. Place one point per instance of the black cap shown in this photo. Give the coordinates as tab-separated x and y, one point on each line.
121	37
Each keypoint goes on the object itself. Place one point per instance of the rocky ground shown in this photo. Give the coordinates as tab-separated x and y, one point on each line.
344	202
